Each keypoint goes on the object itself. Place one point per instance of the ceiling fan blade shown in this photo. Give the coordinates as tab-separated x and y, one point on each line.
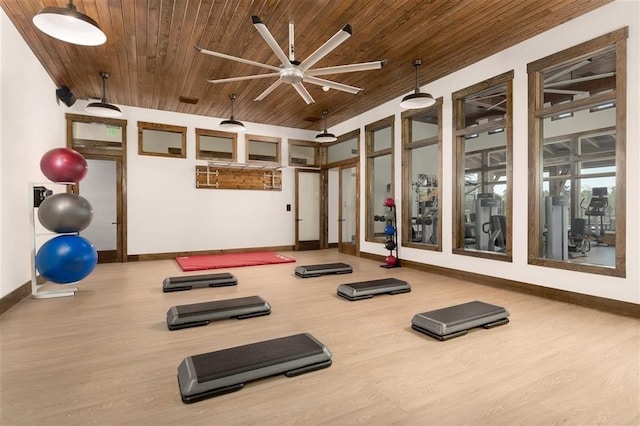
580	79
235	58
273	44
332	84
246	77
339	69
302	91
268	90
324	50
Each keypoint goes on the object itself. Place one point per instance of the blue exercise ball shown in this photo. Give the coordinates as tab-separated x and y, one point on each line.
389	229
64	213
66	259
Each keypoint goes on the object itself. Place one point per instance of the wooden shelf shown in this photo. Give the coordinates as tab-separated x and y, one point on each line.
228	175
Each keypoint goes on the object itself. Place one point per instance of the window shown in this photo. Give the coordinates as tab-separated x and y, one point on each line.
263	149
577	216
345	149
421	176
216	145
379	148
162	140
96	134
304	153
482	169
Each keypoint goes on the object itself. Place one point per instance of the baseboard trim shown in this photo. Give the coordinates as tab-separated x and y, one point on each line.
18	295
173	255
594	302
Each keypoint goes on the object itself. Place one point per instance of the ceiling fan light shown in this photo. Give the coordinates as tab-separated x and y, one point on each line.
103	109
417	100
69	25
326	137
232	125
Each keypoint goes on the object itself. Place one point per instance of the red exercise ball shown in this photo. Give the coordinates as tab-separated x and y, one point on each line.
63	165
390	260
389	202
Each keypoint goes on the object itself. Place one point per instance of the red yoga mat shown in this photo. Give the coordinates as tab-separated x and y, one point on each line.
231	260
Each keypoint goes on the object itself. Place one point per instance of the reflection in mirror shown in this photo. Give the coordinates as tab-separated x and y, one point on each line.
162	140
215	145
421	175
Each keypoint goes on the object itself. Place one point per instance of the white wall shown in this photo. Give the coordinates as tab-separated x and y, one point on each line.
165	211
31	123
616	15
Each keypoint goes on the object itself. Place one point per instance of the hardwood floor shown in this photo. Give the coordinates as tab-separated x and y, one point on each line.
105	356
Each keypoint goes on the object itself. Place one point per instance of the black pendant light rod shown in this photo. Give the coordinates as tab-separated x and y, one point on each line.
325	112
416	63
233	100
104	76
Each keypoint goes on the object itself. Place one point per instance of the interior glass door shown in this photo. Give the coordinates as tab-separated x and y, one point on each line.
348	212
307	209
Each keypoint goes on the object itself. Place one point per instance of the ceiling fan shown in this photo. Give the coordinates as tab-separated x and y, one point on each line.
295	73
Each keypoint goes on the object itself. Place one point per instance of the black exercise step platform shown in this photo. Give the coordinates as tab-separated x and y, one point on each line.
187	282
309	271
227	370
446	323
198	314
368	289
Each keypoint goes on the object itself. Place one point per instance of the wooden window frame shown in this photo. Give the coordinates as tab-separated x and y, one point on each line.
268	139
370	209
317	157
537	112
460	131
408	145
324	150
144	125
218	134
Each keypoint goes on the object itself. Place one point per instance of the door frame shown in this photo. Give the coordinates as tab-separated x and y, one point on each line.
343	247
314	244
120	157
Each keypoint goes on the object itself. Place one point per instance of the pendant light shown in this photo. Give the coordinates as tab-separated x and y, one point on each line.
67	24
231	124
103	108
325	136
417	99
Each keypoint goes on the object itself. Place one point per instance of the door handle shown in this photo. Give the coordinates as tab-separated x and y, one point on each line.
114	223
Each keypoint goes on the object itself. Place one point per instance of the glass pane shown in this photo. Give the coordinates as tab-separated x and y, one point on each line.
161	142
348	207
485	106
215	147
97	135
263	151
382	189
342	151
302	155
579	181
382	139
423	208
584	76
309	206
424	126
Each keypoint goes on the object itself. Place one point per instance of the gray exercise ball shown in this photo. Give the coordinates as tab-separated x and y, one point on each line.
64	213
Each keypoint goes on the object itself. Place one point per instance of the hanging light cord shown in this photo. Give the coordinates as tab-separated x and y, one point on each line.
416	64
324	117
233	100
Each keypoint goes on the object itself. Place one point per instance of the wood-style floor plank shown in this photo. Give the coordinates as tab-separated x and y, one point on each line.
105	356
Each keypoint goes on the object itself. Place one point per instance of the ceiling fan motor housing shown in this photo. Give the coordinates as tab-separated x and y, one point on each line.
291	75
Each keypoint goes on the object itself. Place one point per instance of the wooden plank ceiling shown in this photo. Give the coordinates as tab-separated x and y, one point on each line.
152	61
